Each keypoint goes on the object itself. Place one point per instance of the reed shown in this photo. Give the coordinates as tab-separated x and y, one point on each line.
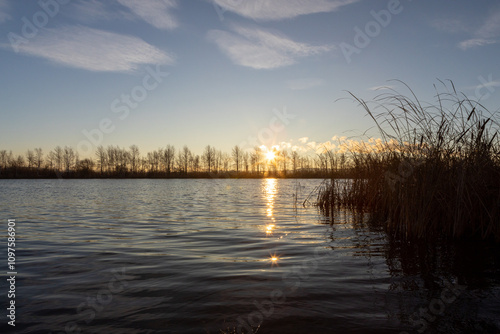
436	170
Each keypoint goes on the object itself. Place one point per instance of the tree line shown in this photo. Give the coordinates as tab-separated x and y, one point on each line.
115	161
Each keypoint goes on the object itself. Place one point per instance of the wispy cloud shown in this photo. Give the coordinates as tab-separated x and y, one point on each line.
305	83
485	84
337	145
3	8
261	49
270	10
474	42
155	12
491	28
306	146
94	50
89	11
486	34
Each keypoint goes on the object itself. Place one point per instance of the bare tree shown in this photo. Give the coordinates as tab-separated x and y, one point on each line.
295	161
128	160
218	161
30	156
17	162
342	161
58	158
68	158
3	159
246	158
153	159
209	157
180	164
226	160
134	158
144	164
85	165
284	160
50	160
151	162
122	159
237	157
256	159
168	158
110	157
38	157
196	163
186	156
101	157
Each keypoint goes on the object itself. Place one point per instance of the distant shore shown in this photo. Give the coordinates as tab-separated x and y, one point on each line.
27	173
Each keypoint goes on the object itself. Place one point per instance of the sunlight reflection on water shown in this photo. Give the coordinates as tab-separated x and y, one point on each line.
201	255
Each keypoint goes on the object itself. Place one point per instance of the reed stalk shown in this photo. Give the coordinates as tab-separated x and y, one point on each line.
435	172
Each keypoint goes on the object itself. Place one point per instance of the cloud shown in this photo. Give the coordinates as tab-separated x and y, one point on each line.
305	83
261	49
490	28
155	12
3	7
474	42
486	34
94	10
489	83
341	145
94	50
269	10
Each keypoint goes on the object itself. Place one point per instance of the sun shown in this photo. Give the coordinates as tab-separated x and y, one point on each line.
270	155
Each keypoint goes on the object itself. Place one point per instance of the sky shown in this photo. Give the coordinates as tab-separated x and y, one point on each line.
229	72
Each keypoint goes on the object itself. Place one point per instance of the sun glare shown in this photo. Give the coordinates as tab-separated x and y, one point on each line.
270	155
273	258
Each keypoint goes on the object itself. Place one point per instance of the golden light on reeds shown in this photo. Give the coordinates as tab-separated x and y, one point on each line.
435	171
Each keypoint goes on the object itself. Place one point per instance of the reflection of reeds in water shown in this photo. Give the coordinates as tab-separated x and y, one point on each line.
435	172
423	271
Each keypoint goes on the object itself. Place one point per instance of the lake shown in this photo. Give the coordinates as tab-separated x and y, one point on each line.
228	256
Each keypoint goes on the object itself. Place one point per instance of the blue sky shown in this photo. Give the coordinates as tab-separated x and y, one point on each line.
228	72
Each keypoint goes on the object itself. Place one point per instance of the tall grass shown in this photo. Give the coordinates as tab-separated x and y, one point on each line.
436	170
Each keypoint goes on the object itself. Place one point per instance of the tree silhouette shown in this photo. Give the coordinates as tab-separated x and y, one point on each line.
237	157
4	158
209	157
134	158
168	158
101	157
38	158
30	156
115	161
185	157
68	158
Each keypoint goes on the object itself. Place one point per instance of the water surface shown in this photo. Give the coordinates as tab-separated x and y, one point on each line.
196	256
